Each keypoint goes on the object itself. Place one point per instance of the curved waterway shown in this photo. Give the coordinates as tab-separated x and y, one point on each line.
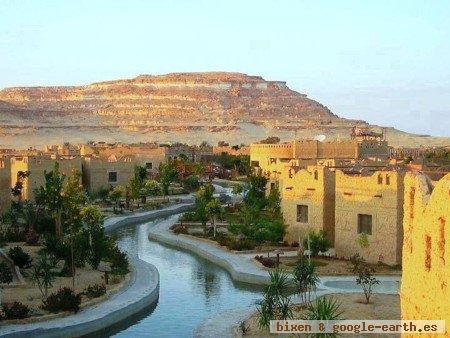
191	289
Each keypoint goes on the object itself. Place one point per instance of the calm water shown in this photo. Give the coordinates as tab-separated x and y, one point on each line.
191	289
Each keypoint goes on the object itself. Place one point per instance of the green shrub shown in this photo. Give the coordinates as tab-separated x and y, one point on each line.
15	310
191	217
324	308
317	242
118	259
95	291
12	235
32	237
63	300
180	230
5	273
20	257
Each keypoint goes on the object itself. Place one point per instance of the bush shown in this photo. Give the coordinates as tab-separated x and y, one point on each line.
118	259
12	235
266	261
94	291
324	308
235	244
5	273
191	217
180	230
317	242
32	237
64	300
15	310
20	257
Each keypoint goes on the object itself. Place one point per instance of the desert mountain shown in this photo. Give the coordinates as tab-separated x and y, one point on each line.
188	107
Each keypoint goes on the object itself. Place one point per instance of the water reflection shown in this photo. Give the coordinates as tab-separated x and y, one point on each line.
191	289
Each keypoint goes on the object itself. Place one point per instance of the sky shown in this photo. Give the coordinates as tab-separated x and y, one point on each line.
386	62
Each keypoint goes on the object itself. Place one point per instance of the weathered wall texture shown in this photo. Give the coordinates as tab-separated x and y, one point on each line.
5	183
379	195
37	166
314	188
96	172
425	291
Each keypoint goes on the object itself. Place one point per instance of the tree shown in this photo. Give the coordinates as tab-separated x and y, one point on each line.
274	202
152	188
276	303
214	209
316	242
116	194
305	279
44	273
16	191
364	275
52	193
137	183
168	173
93	219
204	195
256	194
191	183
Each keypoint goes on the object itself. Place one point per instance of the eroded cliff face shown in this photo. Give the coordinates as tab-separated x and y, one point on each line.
186	107
178	97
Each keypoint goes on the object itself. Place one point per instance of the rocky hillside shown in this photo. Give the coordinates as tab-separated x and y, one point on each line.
174	107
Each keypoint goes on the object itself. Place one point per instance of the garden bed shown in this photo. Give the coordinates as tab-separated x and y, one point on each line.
353	306
30	295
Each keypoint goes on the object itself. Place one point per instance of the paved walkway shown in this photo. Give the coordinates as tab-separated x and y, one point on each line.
141	292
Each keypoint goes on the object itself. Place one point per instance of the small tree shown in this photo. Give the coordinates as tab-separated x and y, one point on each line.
364	275
137	183
44	273
93	219
305	279
276	303
115	195
52	193
203	197
214	209
168	173
316	242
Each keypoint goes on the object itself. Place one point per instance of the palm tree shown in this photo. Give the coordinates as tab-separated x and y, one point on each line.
276	304
214	209
305	278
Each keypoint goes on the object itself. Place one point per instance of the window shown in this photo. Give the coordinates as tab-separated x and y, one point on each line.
255	163
149	165
272	186
302	213
388	180
112	176
380	179
365	224
316	175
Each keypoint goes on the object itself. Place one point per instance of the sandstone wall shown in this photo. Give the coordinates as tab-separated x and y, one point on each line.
37	166
96	173
5	183
379	195
426	251
313	187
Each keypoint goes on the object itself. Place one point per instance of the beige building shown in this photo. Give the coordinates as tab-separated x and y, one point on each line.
262	155
307	201
5	183
425	293
108	172
372	204
36	166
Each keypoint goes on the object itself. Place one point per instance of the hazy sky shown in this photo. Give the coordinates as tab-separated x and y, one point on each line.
387	62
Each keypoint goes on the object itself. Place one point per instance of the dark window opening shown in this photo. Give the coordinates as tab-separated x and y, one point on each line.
365	224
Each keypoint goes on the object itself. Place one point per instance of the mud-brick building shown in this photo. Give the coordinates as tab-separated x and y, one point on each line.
37	166
307	201
100	172
425	289
373	205
5	183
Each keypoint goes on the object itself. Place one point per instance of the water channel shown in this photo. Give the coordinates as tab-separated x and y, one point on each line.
191	289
